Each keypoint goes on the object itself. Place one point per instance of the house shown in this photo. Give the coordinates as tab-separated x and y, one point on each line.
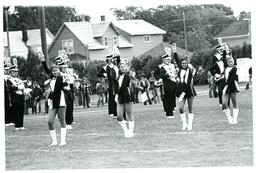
21	42
159	50
93	41
237	33
143	35
85	41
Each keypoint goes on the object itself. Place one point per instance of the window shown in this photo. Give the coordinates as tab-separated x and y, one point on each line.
115	41
146	39
105	40
68	46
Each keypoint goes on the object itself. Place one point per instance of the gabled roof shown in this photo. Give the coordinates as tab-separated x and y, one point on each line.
138	27
237	28
83	31
34	37
159	50
99	29
87	33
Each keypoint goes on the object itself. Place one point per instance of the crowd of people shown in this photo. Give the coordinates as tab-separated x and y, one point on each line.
170	83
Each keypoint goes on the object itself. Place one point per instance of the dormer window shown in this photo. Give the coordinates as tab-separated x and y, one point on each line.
115	40
105	40
146	38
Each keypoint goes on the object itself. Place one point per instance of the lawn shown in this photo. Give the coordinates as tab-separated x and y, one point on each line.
97	140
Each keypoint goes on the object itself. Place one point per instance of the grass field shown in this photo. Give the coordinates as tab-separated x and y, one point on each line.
97	140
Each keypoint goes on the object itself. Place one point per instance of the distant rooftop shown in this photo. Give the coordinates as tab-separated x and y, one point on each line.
138	27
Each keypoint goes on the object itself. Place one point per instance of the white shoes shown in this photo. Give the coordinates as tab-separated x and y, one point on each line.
69	127
19	128
54	143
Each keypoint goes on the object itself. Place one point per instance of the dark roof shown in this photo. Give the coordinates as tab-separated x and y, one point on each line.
159	50
239	27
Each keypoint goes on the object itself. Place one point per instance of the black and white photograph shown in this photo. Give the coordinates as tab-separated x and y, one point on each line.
127	85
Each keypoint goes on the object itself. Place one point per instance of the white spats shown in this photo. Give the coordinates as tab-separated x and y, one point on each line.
228	115
184	121
124	127
54	138
63	132
190	120
131	128
235	115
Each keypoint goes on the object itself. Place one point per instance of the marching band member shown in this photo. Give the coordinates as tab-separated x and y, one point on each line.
68	76
106	72
7	98
124	100
57	101
16	86
112	74
159	81
168	76
186	91
218	67
230	90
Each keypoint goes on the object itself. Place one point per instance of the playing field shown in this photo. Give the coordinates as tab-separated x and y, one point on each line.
97	140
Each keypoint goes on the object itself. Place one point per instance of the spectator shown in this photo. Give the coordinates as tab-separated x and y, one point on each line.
144	87
100	90
152	89
250	79
37	96
85	88
134	87
211	84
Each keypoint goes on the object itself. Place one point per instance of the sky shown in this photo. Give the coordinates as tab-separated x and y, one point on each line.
96	8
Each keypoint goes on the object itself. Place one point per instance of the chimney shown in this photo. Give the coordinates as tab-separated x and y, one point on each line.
24	35
102	18
87	18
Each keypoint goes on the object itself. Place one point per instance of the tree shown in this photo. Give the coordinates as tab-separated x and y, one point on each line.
27	18
203	22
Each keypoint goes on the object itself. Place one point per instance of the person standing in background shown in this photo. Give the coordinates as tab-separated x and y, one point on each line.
152	89
100	90
37	94
250	79
16	86
85	89
144	87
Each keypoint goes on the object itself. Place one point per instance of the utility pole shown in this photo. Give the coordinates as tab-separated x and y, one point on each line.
43	33
185	33
7	30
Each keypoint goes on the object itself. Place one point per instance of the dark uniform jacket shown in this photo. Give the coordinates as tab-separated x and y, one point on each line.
124	93
231	79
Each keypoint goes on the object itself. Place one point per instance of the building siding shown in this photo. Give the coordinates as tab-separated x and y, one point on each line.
101	54
65	35
141	47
